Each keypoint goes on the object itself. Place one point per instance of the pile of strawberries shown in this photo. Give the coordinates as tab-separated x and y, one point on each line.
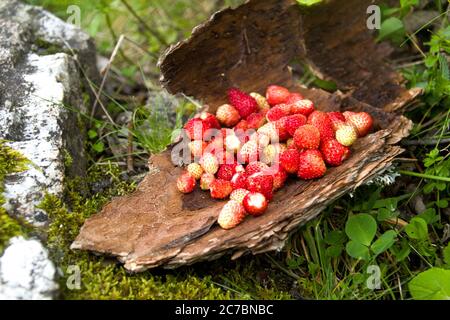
250	147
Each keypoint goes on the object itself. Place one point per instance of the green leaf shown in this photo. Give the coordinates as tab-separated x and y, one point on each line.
402	251
334	251
417	229
447	255
357	250
92	134
361	228
433	284
392	28
430	216
335	237
384	242
98	147
308	2
385	214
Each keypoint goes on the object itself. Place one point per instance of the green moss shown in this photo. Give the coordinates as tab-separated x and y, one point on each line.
103	278
44	48
11	161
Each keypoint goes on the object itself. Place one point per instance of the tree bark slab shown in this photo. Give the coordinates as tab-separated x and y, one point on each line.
251	47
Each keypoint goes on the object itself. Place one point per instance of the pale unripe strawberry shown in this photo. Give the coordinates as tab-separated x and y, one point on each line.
186	183
239	195
262	101
197	147
209	163
231	215
270	130
346	135
195	170
228	115
232	143
206	180
272	152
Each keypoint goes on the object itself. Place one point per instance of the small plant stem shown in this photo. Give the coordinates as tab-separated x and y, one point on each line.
424	176
130	165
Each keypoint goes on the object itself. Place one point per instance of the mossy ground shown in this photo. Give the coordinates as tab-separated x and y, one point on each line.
11	161
103	278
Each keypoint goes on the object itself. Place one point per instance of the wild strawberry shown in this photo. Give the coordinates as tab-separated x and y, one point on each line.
244	103
271	153
337	119
196	129
197	147
206	180
255	167
228	115
276	95
294	97
311	165
279	176
255	203
256	120
281	125
239	181
239	195
304	107
270	130
290	143
231	215
226	171
262	183
334	153
232	143
261	101
346	135
209	119
322	122
294	122
362	121
220	189
262	140
242	125
249	152
278	112
209	163
186	183
289	160
307	137
195	170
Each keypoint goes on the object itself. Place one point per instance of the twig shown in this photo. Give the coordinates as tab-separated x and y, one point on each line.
144	24
425	142
130	165
108	67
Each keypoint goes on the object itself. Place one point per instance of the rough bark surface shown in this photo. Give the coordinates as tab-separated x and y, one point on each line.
251	47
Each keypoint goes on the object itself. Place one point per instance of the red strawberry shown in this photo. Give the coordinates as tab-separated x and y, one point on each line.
322	122
186	183
231	215
290	144
255	203
197	147
239	181
289	160
244	103
256	120
195	170
307	137
206	180
334	153
279	176
255	167
228	115
220	189
239	195
278	112
294	122
209	163
209	119
337	119
362	121
196	128
242	125
311	165
304	107
294	97
262	101
226	171
249	152
276	95
281	125
262	183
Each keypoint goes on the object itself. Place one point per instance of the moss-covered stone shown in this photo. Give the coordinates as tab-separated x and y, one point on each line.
102	278
11	161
